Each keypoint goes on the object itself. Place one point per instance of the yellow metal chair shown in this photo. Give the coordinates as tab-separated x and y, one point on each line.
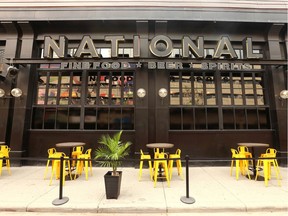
76	152
56	167
265	165
244	164
4	156
148	158
176	156
52	153
159	164
81	164
244	150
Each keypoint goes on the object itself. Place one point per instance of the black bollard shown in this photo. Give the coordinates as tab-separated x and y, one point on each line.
61	200
186	199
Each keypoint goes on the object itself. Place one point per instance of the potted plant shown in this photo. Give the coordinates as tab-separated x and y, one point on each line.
111	152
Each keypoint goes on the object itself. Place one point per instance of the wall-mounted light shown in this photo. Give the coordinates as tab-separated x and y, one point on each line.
141	92
2	93
12	71
15	92
283	94
162	92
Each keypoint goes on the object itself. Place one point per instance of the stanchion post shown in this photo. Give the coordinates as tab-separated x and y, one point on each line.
61	200
186	199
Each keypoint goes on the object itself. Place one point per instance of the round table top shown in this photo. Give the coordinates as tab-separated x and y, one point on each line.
160	145
1	143
70	144
254	144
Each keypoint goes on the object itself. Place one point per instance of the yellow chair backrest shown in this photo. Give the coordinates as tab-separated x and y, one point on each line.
234	152
243	149
270	152
78	148
88	152
5	150
178	152
162	155
51	151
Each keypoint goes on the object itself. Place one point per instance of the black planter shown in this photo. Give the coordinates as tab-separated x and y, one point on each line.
112	185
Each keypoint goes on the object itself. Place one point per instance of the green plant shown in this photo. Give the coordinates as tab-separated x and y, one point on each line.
112	151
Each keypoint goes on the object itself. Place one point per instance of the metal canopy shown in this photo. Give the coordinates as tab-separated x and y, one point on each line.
274	11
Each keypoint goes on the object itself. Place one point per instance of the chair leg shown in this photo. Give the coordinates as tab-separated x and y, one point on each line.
237	169
8	166
1	164
166	172
140	170
231	167
86	169
150	170
179	168
278	176
55	165
156	167
90	163
78	169
170	166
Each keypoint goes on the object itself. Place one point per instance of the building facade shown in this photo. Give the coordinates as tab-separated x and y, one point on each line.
203	76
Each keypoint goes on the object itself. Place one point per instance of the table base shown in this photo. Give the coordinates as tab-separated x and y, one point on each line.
259	178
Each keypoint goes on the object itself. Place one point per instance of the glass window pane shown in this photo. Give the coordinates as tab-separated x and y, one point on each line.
240	118
116	89
104	89
90	119
92	88
175	119
115	119
238	99
188	119
102	118
37	118
74	118
127	118
128	88
252	119
174	90
228	119
212	118
264	120
62	118
49	118
210	90
186	90
41	92
200	118
198	90
76	90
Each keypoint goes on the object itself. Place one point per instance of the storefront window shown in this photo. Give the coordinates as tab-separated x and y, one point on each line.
105	101
194	106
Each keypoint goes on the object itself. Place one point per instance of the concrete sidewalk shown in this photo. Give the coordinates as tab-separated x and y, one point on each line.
212	187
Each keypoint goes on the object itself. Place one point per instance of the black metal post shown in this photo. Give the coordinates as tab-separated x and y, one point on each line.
61	200
186	199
